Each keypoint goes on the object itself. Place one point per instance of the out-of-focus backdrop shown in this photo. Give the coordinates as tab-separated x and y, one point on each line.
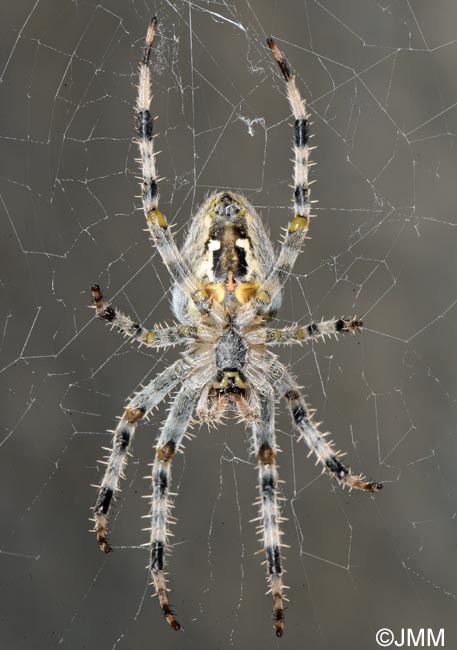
380	82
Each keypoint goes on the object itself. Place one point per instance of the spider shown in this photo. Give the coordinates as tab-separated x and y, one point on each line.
227	285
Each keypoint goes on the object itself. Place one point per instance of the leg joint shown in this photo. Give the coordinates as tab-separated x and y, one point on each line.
134	415
166	452
266	454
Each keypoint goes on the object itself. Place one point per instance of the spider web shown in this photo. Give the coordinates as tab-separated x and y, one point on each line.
379	78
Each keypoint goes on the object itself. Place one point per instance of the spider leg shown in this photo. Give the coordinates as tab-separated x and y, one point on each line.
137	409
295	236
159	337
324	450
269	516
168	443
156	222
268	297
301	147
295	334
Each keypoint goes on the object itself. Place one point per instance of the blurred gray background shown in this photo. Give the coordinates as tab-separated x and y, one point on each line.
381	85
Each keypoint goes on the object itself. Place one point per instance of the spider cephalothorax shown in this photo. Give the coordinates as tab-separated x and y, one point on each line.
227	286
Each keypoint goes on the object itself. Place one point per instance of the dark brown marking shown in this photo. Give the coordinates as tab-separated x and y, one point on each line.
265	454
163	599
231	284
101	529
276	586
280	58
166	452
292	395
279	616
96	294
102	309
170	618
103	543
134	415
370	486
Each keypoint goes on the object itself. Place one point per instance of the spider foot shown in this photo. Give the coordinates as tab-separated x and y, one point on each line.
102	308
102	533
97	297
348	479
279	618
278	614
104	545
149	40
348	325
161	590
360	483
170	618
280	58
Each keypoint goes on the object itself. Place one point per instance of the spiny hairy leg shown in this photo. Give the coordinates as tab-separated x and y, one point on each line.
137	409
159	337
267	298
114	471
270	516
311	332
161	475
145	127
295	236
301	146
157	224
169	442
308	430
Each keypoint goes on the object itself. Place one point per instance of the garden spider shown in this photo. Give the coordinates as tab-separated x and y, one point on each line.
227	285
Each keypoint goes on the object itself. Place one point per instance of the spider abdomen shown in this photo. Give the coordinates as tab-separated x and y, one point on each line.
229	251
